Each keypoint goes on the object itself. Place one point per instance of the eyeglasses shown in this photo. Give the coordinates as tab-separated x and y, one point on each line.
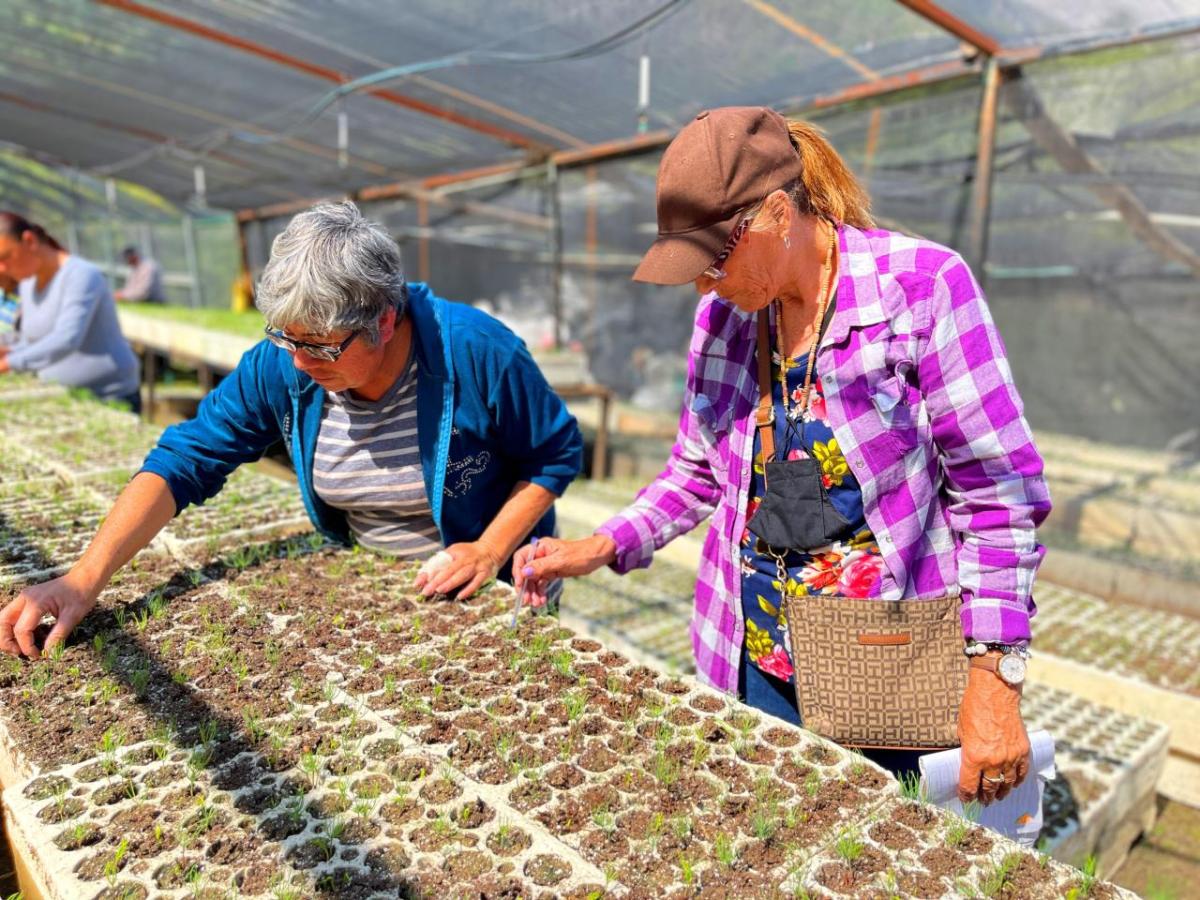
715	270
326	352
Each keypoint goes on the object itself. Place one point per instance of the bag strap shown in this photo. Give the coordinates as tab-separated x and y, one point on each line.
764	416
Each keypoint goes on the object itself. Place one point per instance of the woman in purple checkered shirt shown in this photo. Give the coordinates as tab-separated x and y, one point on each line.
889	373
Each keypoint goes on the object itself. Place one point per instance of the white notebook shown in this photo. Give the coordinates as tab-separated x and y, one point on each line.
1017	816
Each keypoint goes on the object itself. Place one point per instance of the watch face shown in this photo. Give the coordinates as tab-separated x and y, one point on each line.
1012	668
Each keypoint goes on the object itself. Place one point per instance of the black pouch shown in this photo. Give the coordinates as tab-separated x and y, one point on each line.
796	513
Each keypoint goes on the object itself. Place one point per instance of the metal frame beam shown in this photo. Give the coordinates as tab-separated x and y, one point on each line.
1029	110
949	22
130	131
321	73
818	40
411	190
489	106
981	185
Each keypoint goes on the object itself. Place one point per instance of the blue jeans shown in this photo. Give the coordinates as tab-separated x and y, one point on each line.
777	698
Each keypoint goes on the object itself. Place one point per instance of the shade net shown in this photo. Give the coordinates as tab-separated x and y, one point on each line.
1091	261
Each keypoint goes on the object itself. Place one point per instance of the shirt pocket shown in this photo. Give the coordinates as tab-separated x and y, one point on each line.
898	410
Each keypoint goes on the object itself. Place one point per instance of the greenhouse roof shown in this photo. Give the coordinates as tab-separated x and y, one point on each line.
249	103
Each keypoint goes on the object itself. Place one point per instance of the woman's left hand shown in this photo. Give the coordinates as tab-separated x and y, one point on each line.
995	747
471	564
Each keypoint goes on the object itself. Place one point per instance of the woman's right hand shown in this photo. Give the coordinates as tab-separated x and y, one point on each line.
63	598
554	558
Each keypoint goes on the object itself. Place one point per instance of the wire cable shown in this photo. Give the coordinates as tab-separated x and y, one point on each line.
199	147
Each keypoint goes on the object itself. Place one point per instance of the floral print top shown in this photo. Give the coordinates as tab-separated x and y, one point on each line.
851	568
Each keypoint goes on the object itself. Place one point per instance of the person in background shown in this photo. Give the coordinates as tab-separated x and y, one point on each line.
10	310
144	281
414	424
69	331
889	385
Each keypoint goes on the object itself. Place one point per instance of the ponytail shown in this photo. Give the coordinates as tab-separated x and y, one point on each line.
15	225
827	187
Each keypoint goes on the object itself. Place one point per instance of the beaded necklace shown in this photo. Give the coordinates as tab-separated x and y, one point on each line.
825	286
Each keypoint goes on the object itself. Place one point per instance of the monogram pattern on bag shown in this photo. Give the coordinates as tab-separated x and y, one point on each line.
904	695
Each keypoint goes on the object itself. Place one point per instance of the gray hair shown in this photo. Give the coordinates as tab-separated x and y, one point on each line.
332	270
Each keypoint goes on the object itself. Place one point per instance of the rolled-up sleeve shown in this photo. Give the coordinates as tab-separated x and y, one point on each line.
994	473
233	425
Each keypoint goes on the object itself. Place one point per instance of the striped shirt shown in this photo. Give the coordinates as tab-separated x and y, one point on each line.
367	463
921	399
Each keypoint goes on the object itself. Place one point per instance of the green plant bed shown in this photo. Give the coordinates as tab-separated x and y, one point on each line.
44	525
1151	646
250	503
247	324
20	384
29	415
289	719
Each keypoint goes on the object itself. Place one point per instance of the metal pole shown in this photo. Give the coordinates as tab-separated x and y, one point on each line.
146	238
556	250
110	253
193	261
981	186
423	240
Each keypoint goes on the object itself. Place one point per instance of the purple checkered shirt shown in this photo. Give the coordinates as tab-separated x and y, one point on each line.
921	399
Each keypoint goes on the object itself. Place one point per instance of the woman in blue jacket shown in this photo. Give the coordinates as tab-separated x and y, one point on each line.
413	424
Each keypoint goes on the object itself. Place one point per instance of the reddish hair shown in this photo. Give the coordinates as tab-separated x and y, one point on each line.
828	188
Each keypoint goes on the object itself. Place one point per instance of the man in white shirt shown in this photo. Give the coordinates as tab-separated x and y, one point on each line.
145	278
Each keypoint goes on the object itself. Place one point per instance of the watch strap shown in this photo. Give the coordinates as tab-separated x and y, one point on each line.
990	663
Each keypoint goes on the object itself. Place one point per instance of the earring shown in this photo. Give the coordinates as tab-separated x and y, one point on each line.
787	241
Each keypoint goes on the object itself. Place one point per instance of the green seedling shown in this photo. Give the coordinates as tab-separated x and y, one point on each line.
911	787
208	731
310	765
156	604
849	846
255	731
139	680
604	820
575	704
687	870
1088	882
956	831
999	878
113	864
723	850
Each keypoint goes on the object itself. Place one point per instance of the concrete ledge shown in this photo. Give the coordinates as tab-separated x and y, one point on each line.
1177	712
1108	767
1118	580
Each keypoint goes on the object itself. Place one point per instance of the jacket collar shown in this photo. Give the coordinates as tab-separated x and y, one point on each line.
431	328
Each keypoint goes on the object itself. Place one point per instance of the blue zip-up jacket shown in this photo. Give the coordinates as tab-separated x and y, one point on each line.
486	419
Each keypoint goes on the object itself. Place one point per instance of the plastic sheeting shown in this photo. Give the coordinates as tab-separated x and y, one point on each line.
1100	325
149	90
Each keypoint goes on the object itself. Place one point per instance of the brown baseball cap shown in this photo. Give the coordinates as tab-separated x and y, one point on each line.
722	161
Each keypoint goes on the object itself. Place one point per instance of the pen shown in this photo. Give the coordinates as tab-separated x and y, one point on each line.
524	592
